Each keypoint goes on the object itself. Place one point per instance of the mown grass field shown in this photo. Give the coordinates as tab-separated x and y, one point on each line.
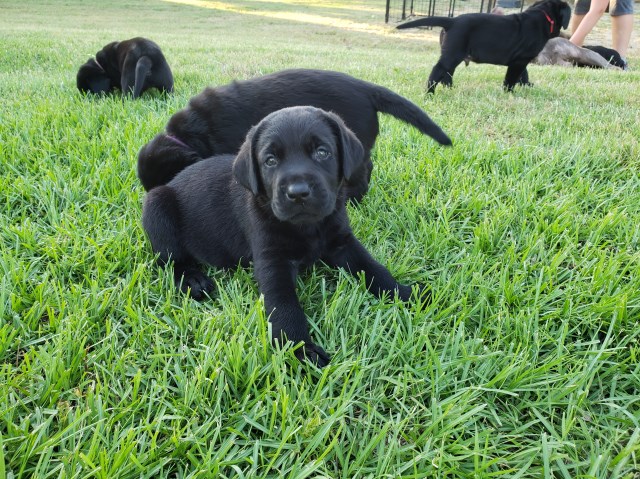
526	364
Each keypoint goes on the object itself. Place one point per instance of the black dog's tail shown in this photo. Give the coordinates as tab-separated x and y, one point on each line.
386	101
160	160
143	68
444	22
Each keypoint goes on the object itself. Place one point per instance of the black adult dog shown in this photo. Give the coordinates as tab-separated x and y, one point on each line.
280	203
511	40
132	66
218	119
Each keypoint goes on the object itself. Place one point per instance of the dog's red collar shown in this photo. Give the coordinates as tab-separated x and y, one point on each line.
550	20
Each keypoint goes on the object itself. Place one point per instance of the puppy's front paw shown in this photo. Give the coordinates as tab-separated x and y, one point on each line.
314	354
422	294
196	283
403	292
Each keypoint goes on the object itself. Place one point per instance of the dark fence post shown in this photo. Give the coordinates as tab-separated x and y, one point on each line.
400	10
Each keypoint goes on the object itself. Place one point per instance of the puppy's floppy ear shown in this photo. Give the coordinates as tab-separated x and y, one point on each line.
565	15
350	149
245	167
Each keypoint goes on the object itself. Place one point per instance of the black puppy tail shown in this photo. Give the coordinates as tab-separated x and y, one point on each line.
160	160
444	22
143	69
386	101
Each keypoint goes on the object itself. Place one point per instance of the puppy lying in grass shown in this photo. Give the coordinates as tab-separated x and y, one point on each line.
132	66
560	51
280	203
609	54
217	120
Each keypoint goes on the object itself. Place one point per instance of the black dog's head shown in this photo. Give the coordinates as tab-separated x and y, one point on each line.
297	158
557	10
92	78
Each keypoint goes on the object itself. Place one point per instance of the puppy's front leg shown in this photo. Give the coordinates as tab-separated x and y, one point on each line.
524	79
276	281
355	258
515	75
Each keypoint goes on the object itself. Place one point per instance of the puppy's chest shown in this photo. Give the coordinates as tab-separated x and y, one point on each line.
307	246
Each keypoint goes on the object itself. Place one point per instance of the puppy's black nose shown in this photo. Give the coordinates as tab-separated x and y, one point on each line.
298	191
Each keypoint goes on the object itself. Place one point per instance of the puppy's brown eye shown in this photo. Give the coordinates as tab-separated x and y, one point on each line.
271	161
322	153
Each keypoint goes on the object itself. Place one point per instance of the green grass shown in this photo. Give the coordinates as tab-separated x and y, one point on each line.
526	364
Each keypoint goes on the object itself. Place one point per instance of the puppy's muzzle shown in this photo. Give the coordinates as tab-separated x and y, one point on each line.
298	191
303	200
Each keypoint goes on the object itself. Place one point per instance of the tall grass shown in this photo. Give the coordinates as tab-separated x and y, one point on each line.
525	365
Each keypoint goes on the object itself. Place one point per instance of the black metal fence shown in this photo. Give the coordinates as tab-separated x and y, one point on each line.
399	10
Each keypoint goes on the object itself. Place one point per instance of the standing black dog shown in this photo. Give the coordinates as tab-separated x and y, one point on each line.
218	119
132	66
511	40
279	203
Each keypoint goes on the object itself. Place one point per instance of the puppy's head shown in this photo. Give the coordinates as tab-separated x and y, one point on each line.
297	158
559	10
92	78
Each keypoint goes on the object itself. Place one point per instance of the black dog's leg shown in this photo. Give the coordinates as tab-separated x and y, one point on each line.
524	79
442	73
355	258
514	74
276	281
161	220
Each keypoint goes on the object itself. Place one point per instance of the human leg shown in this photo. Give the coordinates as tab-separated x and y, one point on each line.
621	28
621	25
589	21
580	10
576	19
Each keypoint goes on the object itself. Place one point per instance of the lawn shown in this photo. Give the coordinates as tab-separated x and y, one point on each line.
525	365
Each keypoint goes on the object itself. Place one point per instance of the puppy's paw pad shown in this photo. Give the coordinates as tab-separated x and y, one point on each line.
196	283
403	293
314	354
423	294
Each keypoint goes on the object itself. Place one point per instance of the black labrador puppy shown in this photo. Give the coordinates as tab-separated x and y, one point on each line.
609	54
511	40
560	51
218	119
280	204
132	66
